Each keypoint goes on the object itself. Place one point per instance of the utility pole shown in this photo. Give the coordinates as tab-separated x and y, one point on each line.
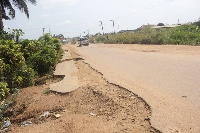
88	33
80	41
101	24
179	22
43	30
113	25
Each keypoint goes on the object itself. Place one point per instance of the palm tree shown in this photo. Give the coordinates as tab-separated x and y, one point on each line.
7	11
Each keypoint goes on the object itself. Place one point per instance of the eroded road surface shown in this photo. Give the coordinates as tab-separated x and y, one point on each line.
168	81
55	105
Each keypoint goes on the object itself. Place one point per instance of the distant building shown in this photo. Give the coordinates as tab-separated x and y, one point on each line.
166	26
98	34
146	26
187	23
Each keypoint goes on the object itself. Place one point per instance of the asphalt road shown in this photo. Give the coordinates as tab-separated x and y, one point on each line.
169	83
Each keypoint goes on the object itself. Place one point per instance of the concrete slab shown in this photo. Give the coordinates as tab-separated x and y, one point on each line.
70	82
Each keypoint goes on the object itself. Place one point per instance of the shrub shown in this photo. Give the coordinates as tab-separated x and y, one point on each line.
11	60
24	77
44	61
2	68
28	48
4	90
20	62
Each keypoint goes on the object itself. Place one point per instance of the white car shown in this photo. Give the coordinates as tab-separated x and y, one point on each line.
84	41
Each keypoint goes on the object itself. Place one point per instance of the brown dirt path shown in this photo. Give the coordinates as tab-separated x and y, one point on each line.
97	106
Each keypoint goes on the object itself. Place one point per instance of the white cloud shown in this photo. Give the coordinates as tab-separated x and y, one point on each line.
53	3
67	22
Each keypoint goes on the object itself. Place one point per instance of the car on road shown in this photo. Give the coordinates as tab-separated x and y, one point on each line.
84	41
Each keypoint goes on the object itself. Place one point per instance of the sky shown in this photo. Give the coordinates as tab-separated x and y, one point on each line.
73	18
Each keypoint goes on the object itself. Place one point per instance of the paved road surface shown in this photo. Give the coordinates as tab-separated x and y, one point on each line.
169	83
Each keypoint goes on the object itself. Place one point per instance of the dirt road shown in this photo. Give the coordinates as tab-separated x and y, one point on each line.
166	77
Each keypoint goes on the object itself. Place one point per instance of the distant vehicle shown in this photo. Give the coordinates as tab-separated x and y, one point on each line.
64	41
84	41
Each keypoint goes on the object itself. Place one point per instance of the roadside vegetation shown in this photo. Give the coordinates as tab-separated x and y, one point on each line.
183	35
22	62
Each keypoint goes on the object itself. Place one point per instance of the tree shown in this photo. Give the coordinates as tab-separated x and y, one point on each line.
7	11
160	24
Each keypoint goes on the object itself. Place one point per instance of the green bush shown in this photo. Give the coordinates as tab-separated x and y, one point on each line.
4	90
44	61
24	77
11	60
21	61
2	68
28	48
